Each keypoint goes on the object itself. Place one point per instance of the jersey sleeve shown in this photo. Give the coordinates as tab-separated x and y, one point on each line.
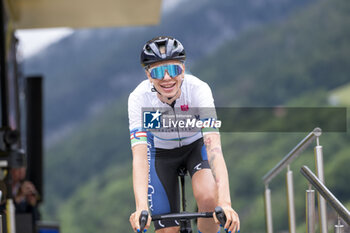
137	135
205	103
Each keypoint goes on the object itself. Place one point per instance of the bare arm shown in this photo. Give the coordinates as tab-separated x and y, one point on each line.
218	167
140	175
140	183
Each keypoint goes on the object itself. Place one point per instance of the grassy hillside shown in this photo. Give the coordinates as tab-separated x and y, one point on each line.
295	62
341	95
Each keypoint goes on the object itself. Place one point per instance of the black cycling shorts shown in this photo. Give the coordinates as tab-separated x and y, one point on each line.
163	188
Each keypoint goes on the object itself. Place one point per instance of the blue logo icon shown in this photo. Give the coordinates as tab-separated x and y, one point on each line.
151	120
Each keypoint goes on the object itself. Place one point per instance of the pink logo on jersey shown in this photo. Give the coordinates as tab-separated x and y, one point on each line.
184	107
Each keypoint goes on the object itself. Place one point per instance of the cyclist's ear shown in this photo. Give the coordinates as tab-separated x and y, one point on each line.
148	75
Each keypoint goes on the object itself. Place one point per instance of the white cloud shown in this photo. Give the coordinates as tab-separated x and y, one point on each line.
168	5
34	40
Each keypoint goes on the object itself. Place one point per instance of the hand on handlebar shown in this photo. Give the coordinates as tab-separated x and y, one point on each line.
140	220
228	218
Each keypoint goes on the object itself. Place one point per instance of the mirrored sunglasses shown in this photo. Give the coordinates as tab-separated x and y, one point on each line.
159	71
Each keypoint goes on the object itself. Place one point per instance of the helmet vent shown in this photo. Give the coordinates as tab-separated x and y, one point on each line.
161	49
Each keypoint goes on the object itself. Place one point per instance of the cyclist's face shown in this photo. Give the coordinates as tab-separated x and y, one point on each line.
168	86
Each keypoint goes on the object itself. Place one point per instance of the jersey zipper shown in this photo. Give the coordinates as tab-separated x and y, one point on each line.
177	127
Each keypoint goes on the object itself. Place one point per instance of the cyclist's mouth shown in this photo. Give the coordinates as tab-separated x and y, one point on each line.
168	87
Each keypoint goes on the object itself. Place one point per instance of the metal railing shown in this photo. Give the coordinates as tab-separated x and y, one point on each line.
294	153
284	163
328	195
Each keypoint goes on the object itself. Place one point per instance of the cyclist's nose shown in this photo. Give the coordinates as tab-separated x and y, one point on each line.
166	75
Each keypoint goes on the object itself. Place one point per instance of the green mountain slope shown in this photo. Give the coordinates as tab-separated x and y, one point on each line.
90	189
268	66
101	142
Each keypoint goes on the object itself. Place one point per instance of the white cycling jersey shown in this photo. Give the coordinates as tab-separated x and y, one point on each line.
195	94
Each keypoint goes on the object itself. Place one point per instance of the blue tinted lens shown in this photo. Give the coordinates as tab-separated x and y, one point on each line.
159	72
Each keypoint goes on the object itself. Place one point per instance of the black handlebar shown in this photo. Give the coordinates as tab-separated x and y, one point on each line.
143	220
220	215
182	216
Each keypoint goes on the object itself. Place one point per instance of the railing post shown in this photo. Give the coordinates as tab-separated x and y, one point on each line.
310	210
290	196
268	210
322	207
328	195
338	228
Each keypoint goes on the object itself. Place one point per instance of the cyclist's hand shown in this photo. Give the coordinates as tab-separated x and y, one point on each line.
135	221
28	189
232	219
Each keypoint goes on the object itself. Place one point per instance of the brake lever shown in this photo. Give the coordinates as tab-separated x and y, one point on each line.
143	220
220	215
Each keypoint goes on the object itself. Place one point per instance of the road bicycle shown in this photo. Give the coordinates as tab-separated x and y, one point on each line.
184	217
